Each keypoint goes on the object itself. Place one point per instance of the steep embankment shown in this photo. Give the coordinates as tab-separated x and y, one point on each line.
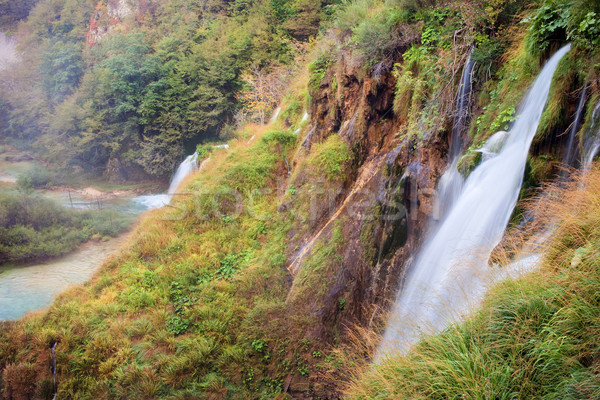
290	242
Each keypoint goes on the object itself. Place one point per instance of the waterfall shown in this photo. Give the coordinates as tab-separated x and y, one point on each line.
160	200
8	51
185	168
304	117
591	144
591	153
275	115
463	102
571	149
451	182
449	274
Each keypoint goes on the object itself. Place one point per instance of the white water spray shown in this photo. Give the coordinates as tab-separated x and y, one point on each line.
450	273
275	115
451	182
160	200
571	146
304	117
591	145
8	52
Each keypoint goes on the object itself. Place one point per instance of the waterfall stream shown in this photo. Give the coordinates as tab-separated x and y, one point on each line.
8	51
451	182
450	274
160	200
571	146
33	287
591	144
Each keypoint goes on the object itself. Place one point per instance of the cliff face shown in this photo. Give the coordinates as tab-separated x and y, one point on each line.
111	15
383	208
377	221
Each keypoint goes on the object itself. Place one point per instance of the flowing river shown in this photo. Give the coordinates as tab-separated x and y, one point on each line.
29	288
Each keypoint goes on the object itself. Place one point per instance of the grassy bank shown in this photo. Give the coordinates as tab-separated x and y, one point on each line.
537	337
35	228
193	307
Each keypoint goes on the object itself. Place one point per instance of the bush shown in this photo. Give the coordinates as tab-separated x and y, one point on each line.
549	23
560	20
317	70
36	178
34	228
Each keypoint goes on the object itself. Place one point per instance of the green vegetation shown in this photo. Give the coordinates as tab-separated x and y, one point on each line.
534	338
557	20
332	157
13	11
35	228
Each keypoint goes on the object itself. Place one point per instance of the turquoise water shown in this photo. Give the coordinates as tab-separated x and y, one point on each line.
32	288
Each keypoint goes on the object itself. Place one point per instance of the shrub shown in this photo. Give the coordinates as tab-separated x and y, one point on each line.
36	178
33	228
549	23
317	70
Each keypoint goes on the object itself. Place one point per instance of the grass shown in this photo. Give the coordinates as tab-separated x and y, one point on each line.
536	337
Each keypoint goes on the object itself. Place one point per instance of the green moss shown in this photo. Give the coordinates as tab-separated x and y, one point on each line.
315	276
500	98
367	239
293	110
332	157
563	83
469	161
317	70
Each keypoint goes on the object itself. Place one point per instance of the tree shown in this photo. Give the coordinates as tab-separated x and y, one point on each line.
263	90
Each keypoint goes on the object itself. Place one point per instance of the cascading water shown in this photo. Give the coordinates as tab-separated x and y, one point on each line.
450	273
571	148
275	115
160	200
591	152
463	101
8	51
304	117
591	144
451	182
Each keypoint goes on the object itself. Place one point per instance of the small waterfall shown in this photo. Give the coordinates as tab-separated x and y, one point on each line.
571	148
185	168
451	182
304	117
275	115
8	51
463	103
591	153
160	200
591	144
449	273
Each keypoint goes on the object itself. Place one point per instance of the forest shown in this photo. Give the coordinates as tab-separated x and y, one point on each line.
126	94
